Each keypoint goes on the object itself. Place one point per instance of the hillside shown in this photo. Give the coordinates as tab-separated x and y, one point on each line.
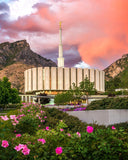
20	51
15	58
118	69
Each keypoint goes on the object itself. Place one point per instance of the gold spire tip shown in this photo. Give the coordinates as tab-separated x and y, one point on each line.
60	24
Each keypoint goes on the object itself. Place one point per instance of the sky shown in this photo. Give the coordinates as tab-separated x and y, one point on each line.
95	33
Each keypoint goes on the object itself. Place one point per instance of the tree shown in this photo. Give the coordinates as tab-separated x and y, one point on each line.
112	84
63	98
76	92
8	94
87	88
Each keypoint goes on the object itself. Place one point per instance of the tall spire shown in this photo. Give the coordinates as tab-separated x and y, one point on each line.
60	58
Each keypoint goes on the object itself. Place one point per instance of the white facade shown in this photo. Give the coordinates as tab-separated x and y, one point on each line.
60	79
60	59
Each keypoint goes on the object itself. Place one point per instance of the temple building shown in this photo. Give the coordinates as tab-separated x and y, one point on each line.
52	80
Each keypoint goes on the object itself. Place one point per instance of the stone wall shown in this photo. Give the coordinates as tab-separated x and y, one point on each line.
102	117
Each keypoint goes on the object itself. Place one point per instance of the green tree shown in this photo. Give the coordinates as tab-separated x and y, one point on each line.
63	98
87	88
76	92
112	84
8	94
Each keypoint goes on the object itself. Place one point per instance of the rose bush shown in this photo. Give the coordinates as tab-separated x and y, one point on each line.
47	143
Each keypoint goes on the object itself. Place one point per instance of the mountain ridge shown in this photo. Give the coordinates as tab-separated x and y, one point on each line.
116	67
20	51
17	57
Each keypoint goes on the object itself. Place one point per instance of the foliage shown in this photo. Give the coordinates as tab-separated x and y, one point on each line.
75	93
102	143
43	100
109	103
9	107
124	78
112	84
8	94
87	87
63	98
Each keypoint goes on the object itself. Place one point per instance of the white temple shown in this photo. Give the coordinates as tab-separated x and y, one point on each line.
52	80
60	59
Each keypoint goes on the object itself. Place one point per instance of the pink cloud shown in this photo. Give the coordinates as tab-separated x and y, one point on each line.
97	29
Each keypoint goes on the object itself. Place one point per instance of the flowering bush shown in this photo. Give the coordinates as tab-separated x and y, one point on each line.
47	143
89	129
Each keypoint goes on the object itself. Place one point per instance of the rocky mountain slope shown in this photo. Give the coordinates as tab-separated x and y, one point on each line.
20	51
118	68
15	58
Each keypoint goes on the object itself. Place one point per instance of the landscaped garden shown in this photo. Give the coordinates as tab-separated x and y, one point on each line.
33	132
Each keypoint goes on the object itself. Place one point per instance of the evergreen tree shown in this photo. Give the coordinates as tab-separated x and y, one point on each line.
8	94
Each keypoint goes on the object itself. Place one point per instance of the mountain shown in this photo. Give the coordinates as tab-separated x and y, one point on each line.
20	51
15	58
118	69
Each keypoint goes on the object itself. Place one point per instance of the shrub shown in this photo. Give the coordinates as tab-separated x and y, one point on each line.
28	124
109	103
102	143
63	98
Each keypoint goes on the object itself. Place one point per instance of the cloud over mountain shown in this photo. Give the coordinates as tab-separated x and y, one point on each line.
96	29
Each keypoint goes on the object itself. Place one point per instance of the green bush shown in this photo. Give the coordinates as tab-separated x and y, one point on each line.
102	143
109	103
63	98
73	123
27	124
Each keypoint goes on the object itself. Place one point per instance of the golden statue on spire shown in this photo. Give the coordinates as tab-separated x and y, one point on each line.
60	24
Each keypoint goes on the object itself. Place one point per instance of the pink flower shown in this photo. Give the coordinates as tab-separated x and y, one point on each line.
113	127
18	148
38	125
58	150
78	134
69	134
22	146
12	116
89	129
25	151
41	121
18	135
14	124
41	111
5	118
45	117
5	143
47	128
61	130
42	140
